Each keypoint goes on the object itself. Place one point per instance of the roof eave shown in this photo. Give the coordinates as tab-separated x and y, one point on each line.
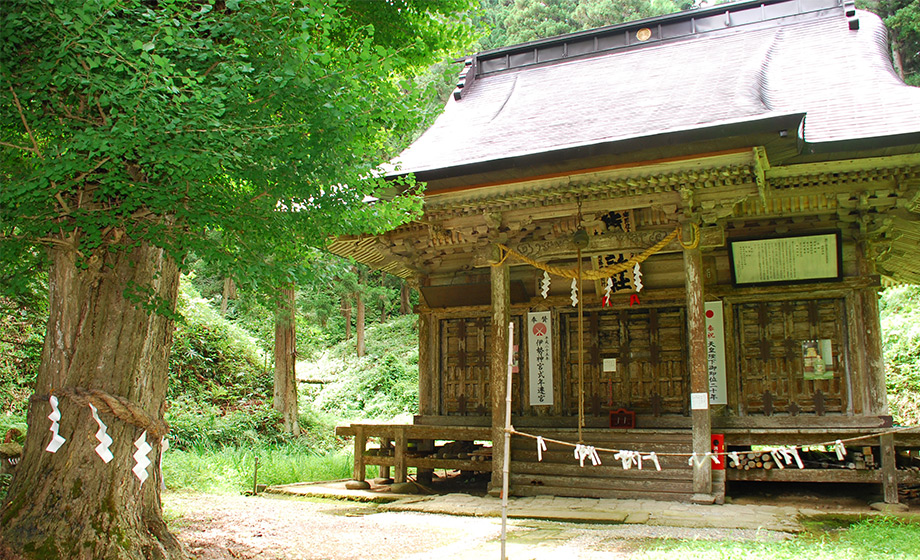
680	143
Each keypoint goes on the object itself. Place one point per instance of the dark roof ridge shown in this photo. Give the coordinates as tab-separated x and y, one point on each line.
648	31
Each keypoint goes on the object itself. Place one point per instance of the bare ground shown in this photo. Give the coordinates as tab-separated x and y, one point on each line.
225	527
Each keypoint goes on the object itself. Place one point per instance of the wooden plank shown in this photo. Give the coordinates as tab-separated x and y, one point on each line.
526	489
699	378
599	488
805	475
451	433
829	422
559	464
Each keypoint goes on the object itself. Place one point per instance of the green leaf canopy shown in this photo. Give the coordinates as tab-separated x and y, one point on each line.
163	121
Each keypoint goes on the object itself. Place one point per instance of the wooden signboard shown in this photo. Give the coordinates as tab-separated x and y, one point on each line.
783	260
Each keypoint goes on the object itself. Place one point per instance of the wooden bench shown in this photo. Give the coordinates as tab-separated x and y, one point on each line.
398	436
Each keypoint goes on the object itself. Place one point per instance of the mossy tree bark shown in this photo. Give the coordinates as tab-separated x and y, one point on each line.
285	394
70	504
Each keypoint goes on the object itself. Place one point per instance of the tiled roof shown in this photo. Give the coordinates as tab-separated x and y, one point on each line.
840	78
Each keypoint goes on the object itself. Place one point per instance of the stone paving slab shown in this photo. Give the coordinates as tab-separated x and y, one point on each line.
581	510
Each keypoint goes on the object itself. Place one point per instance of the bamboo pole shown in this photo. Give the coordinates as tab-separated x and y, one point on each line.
506	457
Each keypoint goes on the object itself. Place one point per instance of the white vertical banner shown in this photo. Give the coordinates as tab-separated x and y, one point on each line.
715	353
540	354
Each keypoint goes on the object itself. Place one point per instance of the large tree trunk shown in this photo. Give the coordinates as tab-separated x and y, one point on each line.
404	307
228	293
346	312
285	400
359	324
70	504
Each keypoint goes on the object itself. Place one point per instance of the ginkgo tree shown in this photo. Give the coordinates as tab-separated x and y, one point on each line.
130	131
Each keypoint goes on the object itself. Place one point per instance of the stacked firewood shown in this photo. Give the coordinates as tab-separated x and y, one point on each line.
752	460
861	459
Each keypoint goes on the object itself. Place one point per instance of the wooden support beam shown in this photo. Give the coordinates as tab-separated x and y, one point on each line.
428	375
701	427
889	469
399	455
501	304
360	446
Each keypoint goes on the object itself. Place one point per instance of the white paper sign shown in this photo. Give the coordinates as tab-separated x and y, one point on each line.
699	401
540	354
715	353
610	365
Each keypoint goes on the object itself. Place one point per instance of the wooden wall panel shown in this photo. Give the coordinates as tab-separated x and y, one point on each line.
464	367
649	344
769	337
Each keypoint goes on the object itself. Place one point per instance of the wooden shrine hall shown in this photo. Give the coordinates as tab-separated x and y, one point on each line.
687	220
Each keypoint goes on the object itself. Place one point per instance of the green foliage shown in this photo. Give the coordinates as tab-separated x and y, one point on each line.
873	539
517	21
902	18
230	470
213	360
900	316
384	383
22	333
168	122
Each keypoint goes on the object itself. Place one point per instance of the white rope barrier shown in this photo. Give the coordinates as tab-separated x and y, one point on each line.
782	456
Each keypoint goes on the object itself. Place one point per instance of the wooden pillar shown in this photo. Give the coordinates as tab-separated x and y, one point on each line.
876	388
498	364
399	455
699	379
385	445
427	365
889	469
360	447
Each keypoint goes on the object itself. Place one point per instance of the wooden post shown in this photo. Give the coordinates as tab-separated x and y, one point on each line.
877	390
889	469
501	302
699	379
400	455
427	398
360	446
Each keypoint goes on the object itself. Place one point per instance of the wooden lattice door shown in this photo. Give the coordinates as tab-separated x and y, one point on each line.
465	345
777	345
649	346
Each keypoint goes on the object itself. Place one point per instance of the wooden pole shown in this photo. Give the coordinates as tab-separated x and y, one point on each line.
581	355
501	302
699	380
506	456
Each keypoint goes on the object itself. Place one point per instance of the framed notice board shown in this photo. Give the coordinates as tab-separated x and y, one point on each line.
786	260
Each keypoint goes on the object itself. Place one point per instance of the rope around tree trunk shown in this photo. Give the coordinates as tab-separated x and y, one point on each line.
120	407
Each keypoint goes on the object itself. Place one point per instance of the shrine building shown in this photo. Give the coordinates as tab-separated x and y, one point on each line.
686	222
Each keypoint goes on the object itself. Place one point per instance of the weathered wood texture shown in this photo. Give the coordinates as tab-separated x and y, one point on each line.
498	350
649	346
770	354
699	375
560	474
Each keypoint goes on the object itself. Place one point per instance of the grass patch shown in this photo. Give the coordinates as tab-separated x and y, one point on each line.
881	539
230	469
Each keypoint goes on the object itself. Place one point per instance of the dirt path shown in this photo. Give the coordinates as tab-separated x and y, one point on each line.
223	527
